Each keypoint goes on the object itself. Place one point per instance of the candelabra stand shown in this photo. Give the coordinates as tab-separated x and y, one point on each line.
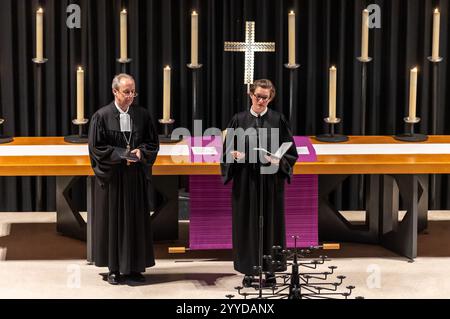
364	61
166	137
434	104
124	64
410	135
3	138
292	120
332	137
80	138
195	108
304	281
39	64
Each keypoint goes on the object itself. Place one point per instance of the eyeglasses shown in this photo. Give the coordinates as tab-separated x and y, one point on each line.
129	94
263	98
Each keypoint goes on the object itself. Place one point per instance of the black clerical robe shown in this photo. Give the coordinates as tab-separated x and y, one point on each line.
246	189
122	237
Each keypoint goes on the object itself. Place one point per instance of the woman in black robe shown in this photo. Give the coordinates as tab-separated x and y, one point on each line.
122	237
247	181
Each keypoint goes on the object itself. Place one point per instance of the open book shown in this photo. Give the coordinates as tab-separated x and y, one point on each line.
279	153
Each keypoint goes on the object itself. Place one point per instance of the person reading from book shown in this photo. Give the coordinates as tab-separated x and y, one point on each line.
243	162
123	145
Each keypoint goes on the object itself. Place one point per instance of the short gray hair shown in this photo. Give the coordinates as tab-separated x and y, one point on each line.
118	77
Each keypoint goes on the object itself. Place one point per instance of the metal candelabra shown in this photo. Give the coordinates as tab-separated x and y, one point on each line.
304	281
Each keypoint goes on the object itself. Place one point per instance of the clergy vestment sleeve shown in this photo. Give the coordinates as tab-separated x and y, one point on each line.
103	157
150	145
227	169
288	160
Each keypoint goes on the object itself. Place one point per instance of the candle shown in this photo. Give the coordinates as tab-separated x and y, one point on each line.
40	34
291	20
123	35
365	35
412	93
332	96
166	96
436	25
80	94
194	38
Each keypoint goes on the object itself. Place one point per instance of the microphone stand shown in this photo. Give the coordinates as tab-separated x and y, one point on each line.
261	210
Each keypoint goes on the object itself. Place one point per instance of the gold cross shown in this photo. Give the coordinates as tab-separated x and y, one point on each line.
249	47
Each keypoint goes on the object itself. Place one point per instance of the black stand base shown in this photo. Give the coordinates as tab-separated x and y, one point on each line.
76	139
168	139
6	139
335	138
411	137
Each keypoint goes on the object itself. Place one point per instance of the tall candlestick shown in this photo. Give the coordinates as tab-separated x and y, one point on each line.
436	25
123	35
291	29
194	38
166	96
365	35
40	34
80	94
412	93
332	95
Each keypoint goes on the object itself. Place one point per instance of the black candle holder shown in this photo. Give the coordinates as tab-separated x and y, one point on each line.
124	64
80	138
166	136
5	139
39	63
195	109
332	137
364	61
410	135
291	68
434	122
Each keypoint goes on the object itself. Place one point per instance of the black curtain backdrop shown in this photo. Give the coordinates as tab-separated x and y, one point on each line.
328	33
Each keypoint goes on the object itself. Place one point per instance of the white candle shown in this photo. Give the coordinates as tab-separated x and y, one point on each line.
436	25
332	95
123	35
40	34
80	94
194	38
412	93
166	94
365	34
291	29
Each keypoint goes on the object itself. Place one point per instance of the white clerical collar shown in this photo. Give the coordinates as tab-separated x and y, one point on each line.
260	114
120	110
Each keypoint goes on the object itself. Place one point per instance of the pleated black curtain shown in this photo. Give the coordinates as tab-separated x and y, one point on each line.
328	33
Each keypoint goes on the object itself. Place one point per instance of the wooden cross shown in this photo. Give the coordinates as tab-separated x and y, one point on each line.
249	47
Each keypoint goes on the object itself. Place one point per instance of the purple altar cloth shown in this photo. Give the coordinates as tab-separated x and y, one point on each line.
210	202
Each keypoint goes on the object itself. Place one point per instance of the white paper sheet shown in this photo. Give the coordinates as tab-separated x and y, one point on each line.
302	150
353	149
204	150
44	150
173	150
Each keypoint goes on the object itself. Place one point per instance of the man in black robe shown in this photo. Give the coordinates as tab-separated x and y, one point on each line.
249	171
123	145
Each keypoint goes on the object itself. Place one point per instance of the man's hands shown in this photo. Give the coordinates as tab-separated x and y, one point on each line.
237	155
138	154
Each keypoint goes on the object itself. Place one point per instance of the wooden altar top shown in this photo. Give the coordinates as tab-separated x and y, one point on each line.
67	165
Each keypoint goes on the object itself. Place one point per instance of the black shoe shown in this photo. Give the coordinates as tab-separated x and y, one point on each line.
247	281
136	276
270	280
114	277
